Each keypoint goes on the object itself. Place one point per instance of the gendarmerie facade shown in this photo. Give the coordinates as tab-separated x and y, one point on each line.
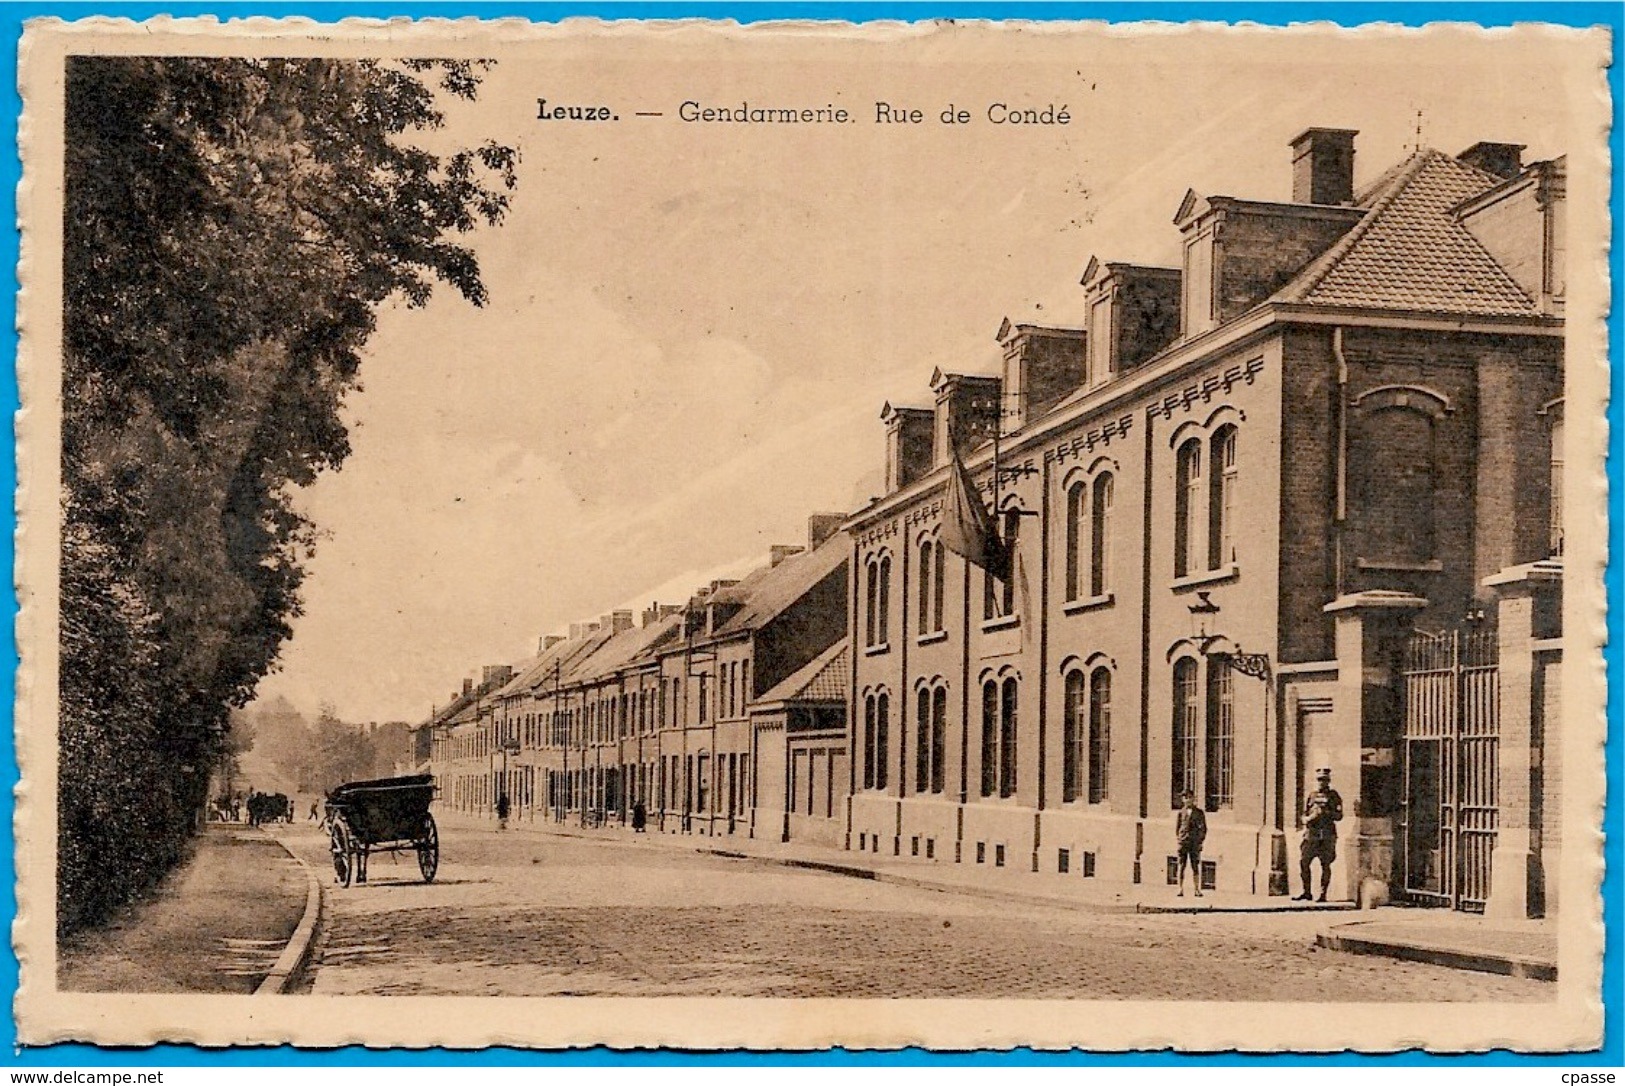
1288	506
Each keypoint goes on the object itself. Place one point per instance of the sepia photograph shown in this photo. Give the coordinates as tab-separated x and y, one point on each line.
937	534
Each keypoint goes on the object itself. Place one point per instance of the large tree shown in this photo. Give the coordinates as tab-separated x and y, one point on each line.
231	229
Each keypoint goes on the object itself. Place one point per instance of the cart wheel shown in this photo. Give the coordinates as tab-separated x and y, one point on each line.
343	862
428	849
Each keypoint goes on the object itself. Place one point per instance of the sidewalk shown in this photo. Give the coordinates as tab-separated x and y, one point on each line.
218	923
1514	948
975	880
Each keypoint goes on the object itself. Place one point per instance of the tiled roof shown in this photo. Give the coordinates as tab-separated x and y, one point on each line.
825	678
1411	253
620	649
771	590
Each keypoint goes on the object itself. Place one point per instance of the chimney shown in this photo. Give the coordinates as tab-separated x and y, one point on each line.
778	552
1504	160
1041	366
820	526
546	642
468	687
1133	314
908	444
1323	166
494	675
967	412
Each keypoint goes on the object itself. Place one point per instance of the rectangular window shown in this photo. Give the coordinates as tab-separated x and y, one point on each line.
1186	728
869	739
882	727
1007	741
1076	523
990	736
1187	500
1100	534
1221	735
1221	499
939	737
1100	734
1072	740
922	744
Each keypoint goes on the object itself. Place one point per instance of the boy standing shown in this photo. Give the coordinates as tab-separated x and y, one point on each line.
1190	830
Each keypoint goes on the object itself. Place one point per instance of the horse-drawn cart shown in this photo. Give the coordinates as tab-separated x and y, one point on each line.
389	815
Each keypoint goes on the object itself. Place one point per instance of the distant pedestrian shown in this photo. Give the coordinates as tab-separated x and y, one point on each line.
1322	811
502	811
1190	830
640	817
314	814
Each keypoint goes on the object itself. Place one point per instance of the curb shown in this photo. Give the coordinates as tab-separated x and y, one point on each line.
1507	965
868	874
1202	910
296	955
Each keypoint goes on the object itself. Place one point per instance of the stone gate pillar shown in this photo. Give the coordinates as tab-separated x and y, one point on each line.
1526	611
1367	719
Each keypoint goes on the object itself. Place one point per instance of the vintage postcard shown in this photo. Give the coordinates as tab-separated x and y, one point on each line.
808	534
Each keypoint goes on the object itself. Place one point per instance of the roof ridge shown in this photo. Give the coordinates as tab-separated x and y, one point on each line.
1328	261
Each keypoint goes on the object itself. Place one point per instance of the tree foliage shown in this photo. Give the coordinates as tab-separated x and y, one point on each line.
232	228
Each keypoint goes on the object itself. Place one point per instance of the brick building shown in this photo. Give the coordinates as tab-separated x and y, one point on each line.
1291	504
658	710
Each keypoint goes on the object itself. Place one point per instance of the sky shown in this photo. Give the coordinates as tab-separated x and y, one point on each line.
692	328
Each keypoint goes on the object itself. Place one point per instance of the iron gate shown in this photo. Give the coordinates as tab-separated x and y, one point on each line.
1451	754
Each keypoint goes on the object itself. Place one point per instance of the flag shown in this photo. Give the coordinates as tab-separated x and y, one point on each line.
968	528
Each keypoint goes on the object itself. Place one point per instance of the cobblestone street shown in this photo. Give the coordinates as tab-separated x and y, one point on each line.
535	914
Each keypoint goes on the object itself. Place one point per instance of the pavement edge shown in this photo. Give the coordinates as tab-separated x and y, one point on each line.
296	955
1508	965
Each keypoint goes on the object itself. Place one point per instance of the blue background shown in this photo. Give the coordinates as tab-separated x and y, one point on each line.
1612	15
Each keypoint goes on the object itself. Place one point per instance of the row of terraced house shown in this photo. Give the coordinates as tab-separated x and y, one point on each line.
1292	505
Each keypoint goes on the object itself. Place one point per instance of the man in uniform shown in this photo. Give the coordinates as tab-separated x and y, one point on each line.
1190	830
1322	811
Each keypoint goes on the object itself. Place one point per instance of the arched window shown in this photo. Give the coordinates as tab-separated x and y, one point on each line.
938	585
1557	486
884	600
1393	492
999	597
931	579
1072	741
939	736
1221	735
1186	728
924	580
1100	734
1100	533
1007	740
922	739
1076	525
1221	519
990	736
1012	530
882	728
871	602
1187	491
869	741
